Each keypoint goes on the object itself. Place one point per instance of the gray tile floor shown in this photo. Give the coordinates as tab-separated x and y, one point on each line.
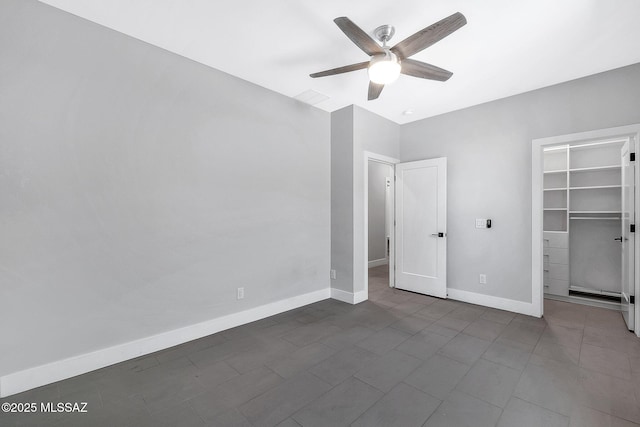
399	359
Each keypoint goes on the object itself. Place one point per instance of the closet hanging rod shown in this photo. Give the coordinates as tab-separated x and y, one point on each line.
617	218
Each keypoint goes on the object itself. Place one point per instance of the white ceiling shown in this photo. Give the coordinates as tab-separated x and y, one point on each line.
507	47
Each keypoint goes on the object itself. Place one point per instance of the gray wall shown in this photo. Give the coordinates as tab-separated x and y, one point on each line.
342	198
376	197
489	169
139	189
354	131
378	135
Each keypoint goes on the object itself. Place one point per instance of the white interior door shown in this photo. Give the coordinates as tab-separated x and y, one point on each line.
628	242
421	227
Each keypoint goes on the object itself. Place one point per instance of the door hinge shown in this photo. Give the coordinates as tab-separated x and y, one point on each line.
632	299
632	228
632	157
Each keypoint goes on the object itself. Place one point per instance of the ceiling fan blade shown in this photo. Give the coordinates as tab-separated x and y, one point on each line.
340	70
358	36
374	90
414	68
428	36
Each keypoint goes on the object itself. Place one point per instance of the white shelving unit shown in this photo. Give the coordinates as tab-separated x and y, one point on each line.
582	214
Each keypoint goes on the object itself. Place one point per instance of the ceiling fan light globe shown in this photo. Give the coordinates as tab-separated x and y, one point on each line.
384	69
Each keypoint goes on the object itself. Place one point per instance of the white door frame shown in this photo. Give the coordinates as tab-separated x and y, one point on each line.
368	155
537	288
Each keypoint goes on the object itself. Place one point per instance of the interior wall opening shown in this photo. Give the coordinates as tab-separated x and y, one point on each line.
588	195
379	224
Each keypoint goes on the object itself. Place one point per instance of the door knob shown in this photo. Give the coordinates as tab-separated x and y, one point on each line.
438	234
619	239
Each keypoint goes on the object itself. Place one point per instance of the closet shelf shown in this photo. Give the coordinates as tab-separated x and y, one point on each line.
556	189
556	171
555	209
595	187
606	218
595	168
596	212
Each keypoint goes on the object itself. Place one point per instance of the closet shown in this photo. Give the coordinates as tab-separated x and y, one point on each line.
582	222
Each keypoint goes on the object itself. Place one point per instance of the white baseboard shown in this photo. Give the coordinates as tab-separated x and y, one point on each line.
378	262
349	297
493	302
341	295
360	296
62	369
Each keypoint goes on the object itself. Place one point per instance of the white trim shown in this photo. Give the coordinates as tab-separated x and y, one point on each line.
495	302
537	202
348	297
378	262
360	297
368	155
341	295
537	289
61	369
591	144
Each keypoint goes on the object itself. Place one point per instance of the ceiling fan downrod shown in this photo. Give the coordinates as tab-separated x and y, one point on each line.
384	33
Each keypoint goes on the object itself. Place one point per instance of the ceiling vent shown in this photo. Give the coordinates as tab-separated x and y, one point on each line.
311	97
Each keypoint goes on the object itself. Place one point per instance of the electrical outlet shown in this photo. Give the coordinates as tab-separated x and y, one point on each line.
481	223
332	274
240	294
483	279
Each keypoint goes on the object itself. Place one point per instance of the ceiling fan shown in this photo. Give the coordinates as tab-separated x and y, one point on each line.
386	63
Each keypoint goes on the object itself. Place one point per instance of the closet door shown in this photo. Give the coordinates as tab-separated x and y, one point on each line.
627	237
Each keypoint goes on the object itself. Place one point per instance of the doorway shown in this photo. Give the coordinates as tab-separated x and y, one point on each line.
380	223
382	167
583	220
405	236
